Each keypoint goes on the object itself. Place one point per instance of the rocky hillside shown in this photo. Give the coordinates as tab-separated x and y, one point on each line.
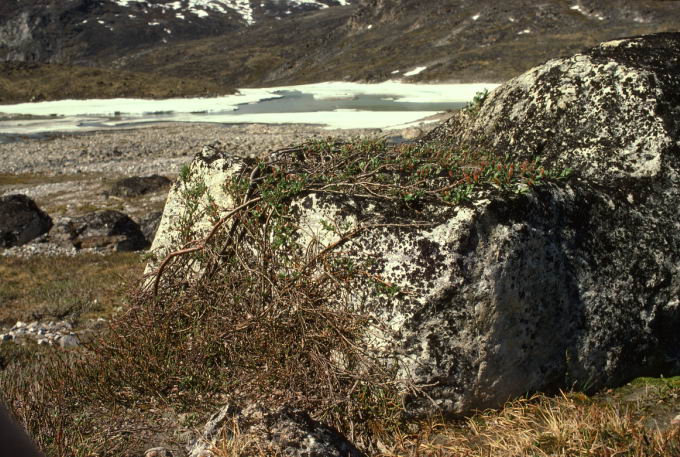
90	31
247	43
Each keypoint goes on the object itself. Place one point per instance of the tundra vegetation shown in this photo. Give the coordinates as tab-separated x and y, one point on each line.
225	321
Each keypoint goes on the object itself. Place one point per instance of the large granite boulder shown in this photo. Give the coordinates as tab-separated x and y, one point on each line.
573	284
106	230
21	220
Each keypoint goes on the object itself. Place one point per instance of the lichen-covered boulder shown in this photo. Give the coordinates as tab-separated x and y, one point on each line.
21	220
573	284
610	112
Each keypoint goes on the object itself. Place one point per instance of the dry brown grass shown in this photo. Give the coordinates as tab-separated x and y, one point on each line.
27	179
23	82
59	287
566	425
562	426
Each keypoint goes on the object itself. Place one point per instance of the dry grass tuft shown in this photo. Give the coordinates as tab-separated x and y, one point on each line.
562	426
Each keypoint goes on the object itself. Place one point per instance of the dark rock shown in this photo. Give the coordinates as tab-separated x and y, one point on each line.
102	229
137	185
283	432
572	284
149	225
21	220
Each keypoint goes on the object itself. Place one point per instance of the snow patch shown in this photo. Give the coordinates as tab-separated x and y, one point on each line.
202	8
581	10
309	2
415	71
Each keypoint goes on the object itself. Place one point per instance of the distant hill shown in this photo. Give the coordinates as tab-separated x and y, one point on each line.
239	43
92	31
455	40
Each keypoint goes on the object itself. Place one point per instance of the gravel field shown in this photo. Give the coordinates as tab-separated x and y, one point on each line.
155	149
69	175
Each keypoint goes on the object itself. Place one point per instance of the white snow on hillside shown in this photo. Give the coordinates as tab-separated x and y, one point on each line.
309	2
202	8
581	10
415	71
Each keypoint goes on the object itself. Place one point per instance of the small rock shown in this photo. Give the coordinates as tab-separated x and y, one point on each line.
68	341
676	420
106	229
158	452
204	453
43	342
19	325
137	185
6	337
283	431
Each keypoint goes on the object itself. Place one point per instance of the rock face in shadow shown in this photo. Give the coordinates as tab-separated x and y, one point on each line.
21	220
574	284
149	225
108	229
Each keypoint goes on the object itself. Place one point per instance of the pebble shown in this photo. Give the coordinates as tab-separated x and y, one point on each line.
676	420
158	452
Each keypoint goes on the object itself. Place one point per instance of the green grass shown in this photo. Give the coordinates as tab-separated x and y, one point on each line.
670	383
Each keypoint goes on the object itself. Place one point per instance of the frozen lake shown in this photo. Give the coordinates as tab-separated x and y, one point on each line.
385	105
